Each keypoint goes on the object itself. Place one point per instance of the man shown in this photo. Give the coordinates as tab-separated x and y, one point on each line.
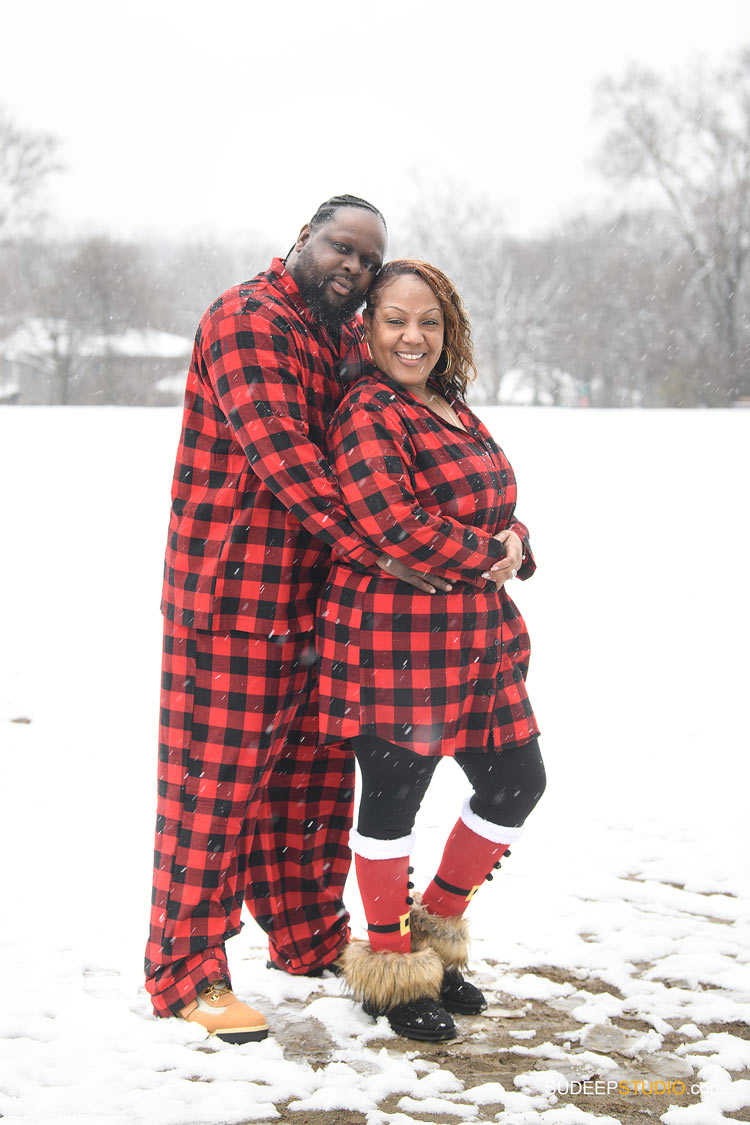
248	806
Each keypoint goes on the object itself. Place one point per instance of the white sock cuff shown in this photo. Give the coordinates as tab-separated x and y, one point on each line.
497	833
369	848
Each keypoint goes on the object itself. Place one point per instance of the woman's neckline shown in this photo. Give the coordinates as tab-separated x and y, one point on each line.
437	394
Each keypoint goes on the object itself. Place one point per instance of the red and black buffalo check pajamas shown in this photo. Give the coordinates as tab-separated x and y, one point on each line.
435	673
249	807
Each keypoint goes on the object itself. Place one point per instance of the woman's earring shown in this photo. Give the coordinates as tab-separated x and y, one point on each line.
446	369
367	345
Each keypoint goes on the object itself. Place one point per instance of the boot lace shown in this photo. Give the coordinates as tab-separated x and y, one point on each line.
217	990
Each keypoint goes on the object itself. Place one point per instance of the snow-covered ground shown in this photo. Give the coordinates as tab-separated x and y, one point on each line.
631	879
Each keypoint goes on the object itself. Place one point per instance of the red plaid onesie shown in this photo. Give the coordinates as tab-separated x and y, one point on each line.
434	673
248	805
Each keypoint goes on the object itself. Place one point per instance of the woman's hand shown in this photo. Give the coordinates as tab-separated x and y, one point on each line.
508	567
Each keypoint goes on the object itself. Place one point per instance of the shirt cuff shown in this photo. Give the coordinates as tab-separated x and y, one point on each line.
361	554
528	566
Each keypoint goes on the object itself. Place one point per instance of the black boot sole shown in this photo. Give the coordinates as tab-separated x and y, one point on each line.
461	996
456	1008
239	1037
421	1018
424	1036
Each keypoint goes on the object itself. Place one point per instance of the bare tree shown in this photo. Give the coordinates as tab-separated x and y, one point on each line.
504	283
75	300
80	315
26	161
53	359
690	141
109	284
187	277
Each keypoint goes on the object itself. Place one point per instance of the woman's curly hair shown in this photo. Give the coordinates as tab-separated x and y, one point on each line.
455	367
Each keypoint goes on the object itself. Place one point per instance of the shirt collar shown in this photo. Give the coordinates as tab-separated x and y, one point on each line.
432	382
285	283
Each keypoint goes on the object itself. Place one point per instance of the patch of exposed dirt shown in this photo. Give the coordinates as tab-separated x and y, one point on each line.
486	1050
318	1117
734	1027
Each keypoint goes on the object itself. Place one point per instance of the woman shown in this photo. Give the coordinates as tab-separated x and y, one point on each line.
409	677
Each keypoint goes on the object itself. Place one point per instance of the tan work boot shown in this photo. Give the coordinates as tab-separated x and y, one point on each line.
222	1014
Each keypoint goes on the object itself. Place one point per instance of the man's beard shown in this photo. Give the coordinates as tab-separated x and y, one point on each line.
330	315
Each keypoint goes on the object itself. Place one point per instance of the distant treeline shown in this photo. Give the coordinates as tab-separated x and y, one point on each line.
647	307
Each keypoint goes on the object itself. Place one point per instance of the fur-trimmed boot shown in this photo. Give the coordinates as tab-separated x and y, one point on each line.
474	847
384	975
448	936
402	986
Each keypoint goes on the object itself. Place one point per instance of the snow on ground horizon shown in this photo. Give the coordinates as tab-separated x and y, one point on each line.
624	914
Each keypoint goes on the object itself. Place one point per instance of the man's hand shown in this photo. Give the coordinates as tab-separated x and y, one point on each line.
506	568
428	584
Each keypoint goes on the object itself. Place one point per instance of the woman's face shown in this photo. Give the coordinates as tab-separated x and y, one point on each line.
405	332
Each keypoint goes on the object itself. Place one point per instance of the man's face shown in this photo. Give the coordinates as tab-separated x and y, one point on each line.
334	264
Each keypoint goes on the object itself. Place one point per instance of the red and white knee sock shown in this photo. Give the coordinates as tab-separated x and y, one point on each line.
383	871
473	848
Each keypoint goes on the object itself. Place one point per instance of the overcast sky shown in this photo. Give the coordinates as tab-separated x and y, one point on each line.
197	118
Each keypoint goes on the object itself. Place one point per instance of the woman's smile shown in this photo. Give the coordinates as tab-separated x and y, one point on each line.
411	357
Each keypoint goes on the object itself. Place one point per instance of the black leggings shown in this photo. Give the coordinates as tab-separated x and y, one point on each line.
507	785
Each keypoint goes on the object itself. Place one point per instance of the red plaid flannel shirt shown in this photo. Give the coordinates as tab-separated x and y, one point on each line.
434	672
408	489
256	511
